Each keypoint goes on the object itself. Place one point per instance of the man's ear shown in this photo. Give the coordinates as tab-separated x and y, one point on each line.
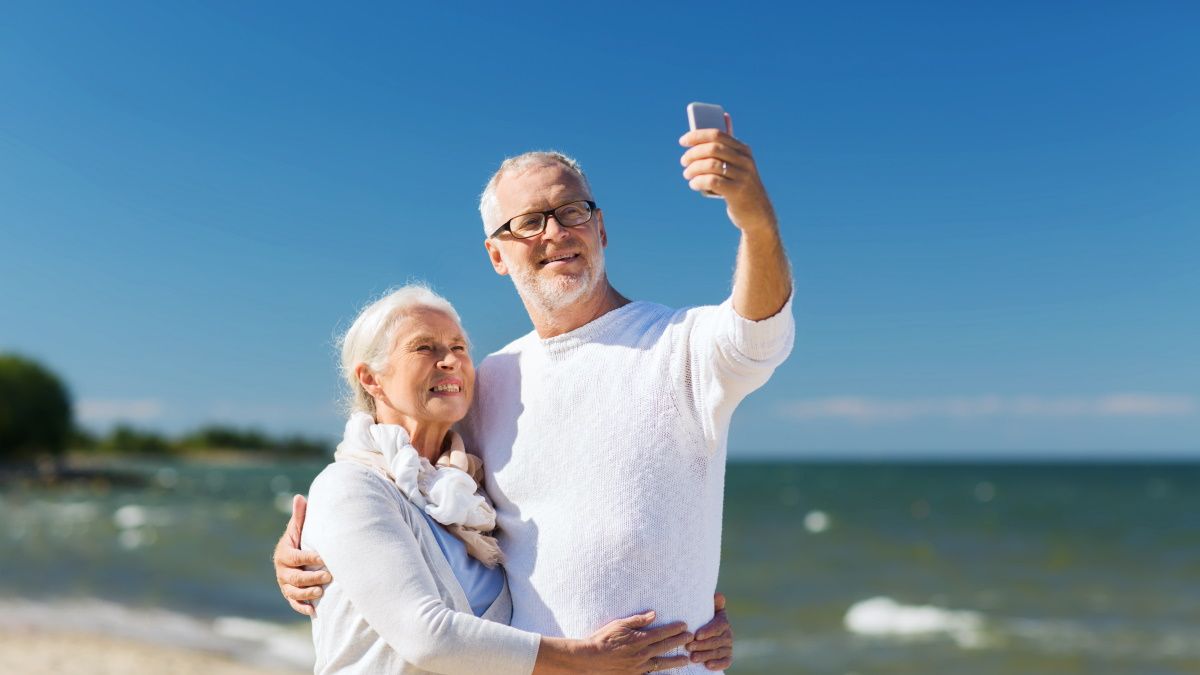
600	223
494	255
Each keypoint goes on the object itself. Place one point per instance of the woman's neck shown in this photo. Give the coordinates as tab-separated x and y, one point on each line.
427	437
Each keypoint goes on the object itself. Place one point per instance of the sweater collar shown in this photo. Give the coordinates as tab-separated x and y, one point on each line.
595	330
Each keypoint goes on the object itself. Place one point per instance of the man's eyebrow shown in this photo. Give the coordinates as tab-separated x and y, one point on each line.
557	203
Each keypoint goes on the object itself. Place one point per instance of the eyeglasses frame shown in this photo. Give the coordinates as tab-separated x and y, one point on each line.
545	218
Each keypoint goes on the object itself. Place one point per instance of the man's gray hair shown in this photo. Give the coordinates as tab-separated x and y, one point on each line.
488	210
371	337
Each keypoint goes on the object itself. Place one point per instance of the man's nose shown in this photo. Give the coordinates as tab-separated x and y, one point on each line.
554	229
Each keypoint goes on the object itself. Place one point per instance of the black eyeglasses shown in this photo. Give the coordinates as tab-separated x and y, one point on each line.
572	214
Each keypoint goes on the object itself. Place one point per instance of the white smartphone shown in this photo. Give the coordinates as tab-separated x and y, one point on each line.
706	116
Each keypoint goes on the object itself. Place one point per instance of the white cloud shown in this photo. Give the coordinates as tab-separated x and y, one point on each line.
118	410
864	409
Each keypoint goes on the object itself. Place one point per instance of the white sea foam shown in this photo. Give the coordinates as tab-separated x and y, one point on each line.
256	642
816	522
133	516
883	616
130	516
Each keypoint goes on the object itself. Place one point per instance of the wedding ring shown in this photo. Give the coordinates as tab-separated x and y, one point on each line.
724	167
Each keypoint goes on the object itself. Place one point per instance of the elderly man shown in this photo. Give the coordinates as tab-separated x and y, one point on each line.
603	432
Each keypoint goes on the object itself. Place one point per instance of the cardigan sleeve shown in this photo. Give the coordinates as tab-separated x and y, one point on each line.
355	523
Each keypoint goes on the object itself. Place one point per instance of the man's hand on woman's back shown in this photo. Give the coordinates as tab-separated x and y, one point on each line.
298	586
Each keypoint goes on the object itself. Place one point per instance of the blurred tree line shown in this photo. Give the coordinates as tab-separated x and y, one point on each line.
36	422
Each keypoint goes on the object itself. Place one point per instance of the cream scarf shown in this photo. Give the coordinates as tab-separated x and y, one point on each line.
448	492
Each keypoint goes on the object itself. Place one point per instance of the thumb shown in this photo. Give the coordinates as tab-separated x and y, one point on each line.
296	524
639	620
718	602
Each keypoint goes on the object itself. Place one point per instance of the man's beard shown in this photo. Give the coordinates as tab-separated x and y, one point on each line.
559	291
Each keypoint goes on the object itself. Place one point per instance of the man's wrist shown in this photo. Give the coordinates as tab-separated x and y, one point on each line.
764	226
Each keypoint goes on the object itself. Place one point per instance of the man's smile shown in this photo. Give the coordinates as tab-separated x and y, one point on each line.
558	260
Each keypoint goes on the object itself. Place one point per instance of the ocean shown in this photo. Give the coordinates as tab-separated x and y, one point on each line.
832	568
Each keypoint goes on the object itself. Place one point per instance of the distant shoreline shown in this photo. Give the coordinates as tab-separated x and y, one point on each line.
127	469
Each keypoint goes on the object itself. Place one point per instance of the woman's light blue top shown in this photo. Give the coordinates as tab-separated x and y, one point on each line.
480	583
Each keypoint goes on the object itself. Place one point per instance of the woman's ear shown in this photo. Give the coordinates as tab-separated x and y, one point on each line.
367	380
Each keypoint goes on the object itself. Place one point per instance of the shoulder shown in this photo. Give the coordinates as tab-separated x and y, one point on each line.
515	347
340	482
642	319
508	352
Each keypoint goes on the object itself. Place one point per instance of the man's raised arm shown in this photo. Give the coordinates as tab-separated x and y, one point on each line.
719	163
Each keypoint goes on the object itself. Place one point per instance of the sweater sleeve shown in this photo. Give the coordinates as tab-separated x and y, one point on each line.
729	356
354	522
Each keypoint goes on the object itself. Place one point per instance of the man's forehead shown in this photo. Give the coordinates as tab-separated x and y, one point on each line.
539	187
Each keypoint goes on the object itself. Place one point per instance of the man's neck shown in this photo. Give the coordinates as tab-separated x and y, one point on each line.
551	323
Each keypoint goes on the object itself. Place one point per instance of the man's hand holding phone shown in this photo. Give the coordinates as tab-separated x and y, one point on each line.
719	165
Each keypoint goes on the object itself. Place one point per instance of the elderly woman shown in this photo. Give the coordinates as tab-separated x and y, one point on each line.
400	522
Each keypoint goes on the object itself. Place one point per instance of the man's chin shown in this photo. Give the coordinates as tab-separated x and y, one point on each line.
558	292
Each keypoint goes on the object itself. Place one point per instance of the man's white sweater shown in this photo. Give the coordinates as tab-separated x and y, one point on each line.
604	451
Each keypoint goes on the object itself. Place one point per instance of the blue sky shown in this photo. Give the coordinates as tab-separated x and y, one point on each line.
991	211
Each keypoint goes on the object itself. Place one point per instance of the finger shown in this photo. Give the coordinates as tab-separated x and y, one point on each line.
295	524
730	151
728	124
666	645
719	597
720	640
719	624
637	620
304	579
294	558
306	610
715	167
301	594
719	664
717	185
712	654
299	510
698	136
717	628
645	640
665	663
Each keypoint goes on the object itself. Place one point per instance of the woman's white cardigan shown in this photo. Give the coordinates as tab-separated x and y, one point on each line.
394	605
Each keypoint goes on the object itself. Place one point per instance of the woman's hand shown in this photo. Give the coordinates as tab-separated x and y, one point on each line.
623	647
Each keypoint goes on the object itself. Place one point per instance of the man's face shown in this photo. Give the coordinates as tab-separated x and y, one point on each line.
561	265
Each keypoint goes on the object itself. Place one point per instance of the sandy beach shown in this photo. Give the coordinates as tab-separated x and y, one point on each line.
95	636
38	652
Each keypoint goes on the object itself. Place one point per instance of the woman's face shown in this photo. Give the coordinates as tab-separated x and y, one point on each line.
429	378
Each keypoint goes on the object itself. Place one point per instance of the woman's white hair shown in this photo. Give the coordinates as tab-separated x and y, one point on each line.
370	338
488	210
